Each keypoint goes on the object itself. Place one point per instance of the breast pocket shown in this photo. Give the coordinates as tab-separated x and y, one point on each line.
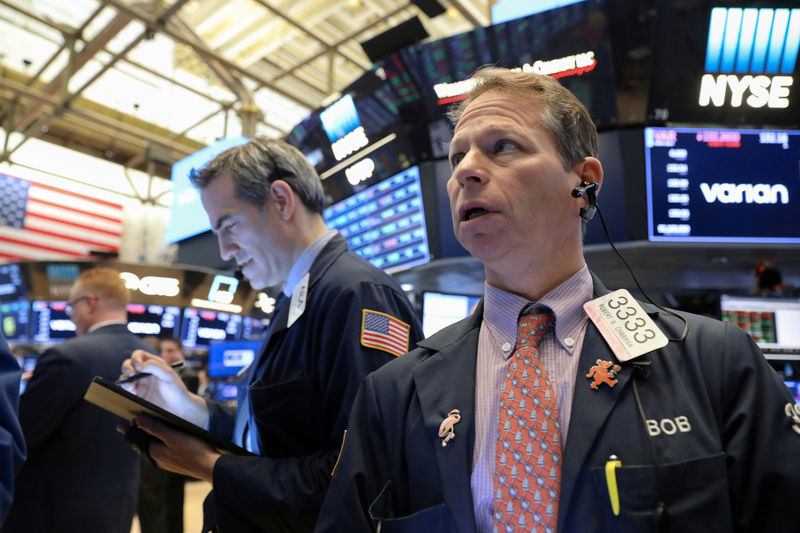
433	518
685	496
286	416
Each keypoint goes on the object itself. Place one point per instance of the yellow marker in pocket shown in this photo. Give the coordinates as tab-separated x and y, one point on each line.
611	480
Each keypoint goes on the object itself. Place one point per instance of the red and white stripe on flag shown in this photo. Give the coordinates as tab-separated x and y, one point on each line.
384	332
39	221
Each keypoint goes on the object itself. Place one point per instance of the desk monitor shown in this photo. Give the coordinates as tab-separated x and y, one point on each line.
50	322
202	326
227	359
159	320
794	386
772	322
15	321
441	309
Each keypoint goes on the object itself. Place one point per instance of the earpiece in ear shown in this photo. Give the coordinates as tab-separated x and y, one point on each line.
587	187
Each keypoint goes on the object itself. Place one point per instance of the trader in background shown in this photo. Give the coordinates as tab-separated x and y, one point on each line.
12	443
337	318
529	416
79	476
161	492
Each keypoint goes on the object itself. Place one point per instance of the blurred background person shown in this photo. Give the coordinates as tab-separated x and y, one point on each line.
80	476
12	443
161	493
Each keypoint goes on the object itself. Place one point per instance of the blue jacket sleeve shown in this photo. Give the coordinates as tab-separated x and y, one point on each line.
12	443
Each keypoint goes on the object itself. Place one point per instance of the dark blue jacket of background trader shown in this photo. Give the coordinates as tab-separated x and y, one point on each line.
305	379
720	450
12	443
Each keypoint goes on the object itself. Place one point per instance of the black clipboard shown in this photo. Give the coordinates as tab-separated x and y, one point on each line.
113	398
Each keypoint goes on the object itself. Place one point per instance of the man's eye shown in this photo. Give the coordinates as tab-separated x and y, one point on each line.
456	159
503	145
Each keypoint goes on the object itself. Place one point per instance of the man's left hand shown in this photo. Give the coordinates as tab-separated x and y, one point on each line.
180	453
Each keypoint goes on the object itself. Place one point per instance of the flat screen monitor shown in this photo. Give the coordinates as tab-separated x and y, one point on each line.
794	386
15	320
254	328
202	326
159	320
224	391
441	309
772	322
27	365
227	359
12	287
385	223
187	216
722	185
50	322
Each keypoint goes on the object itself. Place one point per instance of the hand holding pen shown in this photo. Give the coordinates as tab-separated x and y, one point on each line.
140	375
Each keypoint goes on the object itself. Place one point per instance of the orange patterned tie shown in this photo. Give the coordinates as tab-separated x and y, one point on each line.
528	459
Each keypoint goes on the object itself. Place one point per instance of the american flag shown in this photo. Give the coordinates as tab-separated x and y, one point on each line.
39	221
384	332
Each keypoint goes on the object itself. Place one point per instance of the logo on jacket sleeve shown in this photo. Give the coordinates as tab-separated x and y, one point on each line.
384	332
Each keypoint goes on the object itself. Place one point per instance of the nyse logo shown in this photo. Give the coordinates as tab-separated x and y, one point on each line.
732	193
754	53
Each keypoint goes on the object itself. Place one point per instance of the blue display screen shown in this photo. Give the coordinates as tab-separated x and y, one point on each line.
187	216
385	223
439	310
50	322
227	359
723	185
160	320
200	327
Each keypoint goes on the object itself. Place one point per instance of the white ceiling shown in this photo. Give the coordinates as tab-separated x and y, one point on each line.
146	82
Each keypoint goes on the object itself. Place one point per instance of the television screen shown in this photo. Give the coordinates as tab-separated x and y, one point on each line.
441	309
27	365
15	317
385	223
722	185
794	386
254	328
187	216
159	320
202	326
227	359
224	391
12	287
772	322
49	322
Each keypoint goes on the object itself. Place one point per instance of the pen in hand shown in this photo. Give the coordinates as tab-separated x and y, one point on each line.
140	375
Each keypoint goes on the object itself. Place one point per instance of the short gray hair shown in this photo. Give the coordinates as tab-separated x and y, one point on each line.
256	164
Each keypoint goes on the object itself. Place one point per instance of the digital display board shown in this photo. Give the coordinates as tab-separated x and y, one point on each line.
772	322
254	328
722	185
715	64
187	216
385	223
159	320
202	326
227	359
12	287
15	320
439	310
794	387
50	322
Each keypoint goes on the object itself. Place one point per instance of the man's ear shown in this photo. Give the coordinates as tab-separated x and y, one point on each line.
590	169
284	198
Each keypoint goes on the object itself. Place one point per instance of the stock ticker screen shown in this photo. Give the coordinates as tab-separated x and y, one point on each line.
385	223
159	320
201	326
723	185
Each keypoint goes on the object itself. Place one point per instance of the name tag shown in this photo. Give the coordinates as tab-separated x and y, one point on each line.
298	303
625	326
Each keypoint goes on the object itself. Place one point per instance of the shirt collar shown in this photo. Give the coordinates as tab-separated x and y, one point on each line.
304	262
103	324
502	309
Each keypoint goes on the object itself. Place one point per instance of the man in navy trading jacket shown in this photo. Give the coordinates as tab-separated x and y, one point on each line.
535	414
337	319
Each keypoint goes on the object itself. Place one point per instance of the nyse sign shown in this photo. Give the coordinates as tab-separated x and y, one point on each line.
750	57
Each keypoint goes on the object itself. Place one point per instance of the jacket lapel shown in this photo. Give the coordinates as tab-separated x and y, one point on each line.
590	408
444	382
